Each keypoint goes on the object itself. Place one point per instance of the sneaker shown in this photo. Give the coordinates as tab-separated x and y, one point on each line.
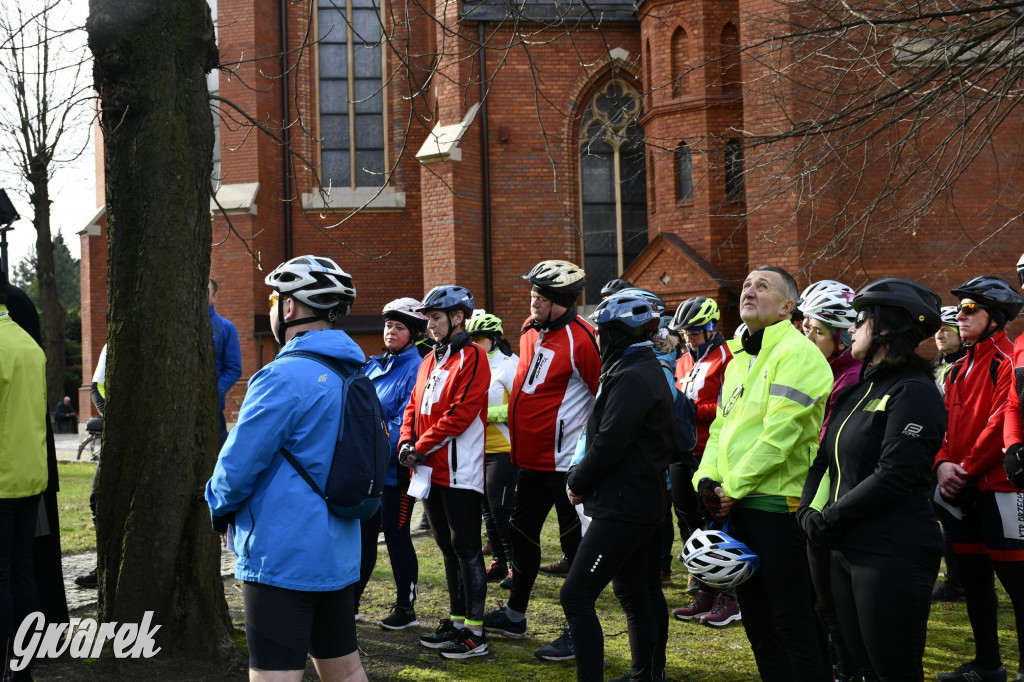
559	650
506	582
725	610
947	591
90	580
666	577
972	672
499	623
445	632
496	571
465	645
701	604
559	568
399	618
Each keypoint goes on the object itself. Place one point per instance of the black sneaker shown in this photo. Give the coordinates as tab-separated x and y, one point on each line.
399	618
947	591
445	632
559	568
499	623
559	650
972	672
465	645
90	580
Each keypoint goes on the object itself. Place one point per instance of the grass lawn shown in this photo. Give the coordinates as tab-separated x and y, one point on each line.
76	530
695	652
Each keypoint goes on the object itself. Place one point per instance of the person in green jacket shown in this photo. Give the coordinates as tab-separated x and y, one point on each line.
759	450
23	472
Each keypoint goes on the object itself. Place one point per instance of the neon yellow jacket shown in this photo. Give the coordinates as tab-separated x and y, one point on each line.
765	434
23	412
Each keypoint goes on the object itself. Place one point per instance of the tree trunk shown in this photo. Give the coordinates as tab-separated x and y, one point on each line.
46	276
156	549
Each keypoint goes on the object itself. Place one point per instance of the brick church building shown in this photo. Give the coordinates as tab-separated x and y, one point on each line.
612	135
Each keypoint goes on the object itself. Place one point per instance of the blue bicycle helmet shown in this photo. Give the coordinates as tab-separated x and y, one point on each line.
631	311
448	297
718	559
656	301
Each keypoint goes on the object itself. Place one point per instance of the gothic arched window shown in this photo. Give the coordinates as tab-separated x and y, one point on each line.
612	184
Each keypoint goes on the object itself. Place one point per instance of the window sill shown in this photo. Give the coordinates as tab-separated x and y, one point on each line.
374	199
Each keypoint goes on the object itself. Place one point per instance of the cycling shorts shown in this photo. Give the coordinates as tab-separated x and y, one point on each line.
994	526
282	626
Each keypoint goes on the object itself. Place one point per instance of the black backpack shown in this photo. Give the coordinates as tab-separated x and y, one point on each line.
686	421
361	454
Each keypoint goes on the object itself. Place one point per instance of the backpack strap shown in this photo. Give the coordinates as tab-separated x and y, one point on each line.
337	368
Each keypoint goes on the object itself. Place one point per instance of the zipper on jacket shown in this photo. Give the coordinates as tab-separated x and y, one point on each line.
561	431
455	460
248	537
840	432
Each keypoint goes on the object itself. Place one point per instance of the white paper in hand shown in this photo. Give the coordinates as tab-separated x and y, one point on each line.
419	484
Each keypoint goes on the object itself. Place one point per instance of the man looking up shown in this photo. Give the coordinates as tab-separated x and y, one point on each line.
759	450
554	389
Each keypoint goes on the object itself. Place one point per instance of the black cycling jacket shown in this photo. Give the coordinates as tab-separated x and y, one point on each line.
879	448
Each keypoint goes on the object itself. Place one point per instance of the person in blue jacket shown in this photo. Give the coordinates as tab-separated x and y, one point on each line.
394	376
299	561
227	354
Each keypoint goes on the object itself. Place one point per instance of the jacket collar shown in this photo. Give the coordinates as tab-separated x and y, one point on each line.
552	325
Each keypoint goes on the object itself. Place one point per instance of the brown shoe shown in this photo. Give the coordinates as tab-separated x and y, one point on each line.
559	568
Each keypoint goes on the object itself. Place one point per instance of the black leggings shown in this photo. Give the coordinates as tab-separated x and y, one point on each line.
500	490
536	493
458	510
393	516
882	603
17	586
616	552
976	575
819	561
684	498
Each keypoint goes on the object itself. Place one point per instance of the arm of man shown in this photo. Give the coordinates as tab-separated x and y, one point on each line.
231	360
987	451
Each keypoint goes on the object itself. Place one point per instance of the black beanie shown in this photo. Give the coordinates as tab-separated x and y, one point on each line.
561	297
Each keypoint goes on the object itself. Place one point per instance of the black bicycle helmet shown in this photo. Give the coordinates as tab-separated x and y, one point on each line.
699	312
614	286
918	301
992	293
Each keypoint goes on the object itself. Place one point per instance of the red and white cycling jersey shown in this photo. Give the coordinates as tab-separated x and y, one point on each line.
554	389
446	417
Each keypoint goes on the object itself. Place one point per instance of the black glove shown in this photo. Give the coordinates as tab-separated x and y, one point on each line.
408	456
221	523
1014	465
706	491
816	528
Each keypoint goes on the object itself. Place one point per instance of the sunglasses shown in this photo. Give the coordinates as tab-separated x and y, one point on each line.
968	308
862	317
273	299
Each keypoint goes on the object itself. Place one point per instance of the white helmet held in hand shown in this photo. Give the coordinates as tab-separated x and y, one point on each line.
718	560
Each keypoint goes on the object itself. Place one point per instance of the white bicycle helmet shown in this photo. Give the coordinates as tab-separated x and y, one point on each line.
405	310
820	285
718	560
316	281
833	306
947	315
556	274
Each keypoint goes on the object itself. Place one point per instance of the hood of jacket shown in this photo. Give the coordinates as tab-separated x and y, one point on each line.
331	342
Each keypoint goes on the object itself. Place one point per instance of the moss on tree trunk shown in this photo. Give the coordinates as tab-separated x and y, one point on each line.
156	550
